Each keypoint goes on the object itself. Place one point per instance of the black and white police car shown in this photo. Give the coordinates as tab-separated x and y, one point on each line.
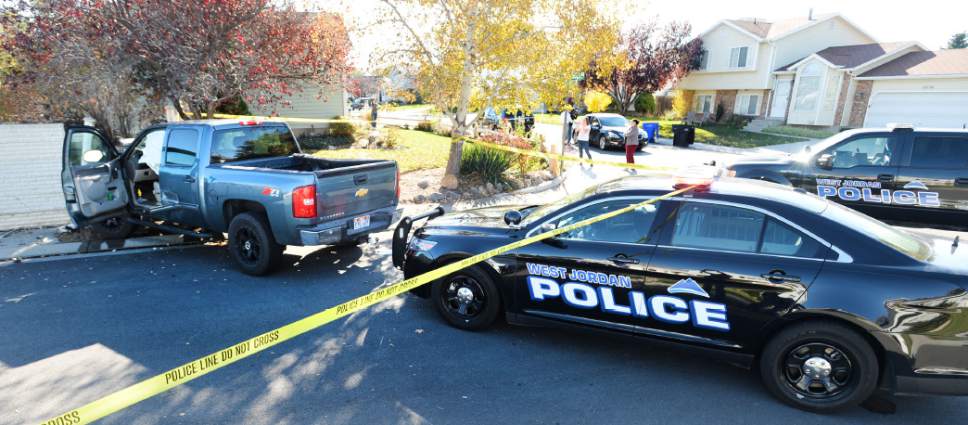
828	304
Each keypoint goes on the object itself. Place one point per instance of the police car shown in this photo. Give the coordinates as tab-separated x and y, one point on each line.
898	173
828	304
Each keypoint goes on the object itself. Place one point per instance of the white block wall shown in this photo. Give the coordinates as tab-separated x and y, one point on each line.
30	166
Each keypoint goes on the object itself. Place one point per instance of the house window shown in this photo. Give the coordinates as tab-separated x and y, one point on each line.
703	59
747	104
808	87
704	103
738	56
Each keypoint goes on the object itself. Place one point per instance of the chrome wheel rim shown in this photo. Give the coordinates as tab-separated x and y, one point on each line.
464	297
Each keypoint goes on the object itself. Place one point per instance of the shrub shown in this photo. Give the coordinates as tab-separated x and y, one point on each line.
719	111
489	164
681	103
425	125
645	104
391	139
597	101
342	129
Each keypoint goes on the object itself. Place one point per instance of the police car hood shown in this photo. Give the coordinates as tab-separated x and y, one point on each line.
488	217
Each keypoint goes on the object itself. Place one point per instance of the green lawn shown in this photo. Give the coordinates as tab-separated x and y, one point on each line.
799	132
418	150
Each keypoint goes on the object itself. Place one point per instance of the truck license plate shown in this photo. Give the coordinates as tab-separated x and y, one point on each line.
361	222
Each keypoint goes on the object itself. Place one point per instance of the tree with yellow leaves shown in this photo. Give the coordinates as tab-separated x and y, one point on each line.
469	54
597	101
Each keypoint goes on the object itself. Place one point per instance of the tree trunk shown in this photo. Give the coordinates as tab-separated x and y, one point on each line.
452	172
177	105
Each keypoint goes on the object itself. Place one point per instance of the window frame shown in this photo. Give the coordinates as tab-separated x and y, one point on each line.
744	102
552	218
908	161
664	238
740	54
895	159
110	151
197	156
698	107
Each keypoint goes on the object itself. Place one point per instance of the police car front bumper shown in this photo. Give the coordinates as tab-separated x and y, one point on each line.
342	230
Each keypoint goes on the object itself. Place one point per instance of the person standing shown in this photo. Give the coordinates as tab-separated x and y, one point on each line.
566	124
373	113
631	141
584	130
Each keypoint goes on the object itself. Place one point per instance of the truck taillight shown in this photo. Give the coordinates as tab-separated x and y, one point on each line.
304	202
398	184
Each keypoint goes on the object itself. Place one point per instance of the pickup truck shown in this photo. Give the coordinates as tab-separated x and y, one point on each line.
248	179
899	173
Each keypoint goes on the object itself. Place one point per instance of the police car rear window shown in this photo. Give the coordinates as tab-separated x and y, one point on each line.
887	235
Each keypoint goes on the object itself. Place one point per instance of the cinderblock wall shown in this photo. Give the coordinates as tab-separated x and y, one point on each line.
30	166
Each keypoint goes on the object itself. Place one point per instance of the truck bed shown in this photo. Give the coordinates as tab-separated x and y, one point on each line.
319	166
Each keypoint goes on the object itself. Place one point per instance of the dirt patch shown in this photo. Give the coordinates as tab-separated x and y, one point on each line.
423	186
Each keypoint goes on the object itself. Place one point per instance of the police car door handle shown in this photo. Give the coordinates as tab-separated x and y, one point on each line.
623	259
780	276
885	177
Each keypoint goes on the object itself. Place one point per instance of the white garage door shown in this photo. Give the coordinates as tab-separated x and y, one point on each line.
923	109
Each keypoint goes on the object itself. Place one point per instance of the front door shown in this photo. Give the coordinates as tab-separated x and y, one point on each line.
588	276
721	272
859	172
178	177
91	176
781	98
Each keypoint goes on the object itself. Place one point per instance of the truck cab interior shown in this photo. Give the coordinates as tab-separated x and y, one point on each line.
142	165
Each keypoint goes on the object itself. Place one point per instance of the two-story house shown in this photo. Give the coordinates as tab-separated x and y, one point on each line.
825	71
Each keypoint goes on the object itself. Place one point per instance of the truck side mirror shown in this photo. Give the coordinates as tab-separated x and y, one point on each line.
825	161
92	156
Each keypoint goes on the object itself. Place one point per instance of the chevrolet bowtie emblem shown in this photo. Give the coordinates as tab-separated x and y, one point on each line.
362	192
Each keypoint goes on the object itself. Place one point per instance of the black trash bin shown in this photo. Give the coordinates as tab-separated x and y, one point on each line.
683	135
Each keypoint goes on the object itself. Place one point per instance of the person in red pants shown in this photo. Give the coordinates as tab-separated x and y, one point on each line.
631	141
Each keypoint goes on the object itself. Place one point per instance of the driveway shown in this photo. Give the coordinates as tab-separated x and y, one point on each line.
77	329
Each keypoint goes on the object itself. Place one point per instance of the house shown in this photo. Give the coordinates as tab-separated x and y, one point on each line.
824	71
313	101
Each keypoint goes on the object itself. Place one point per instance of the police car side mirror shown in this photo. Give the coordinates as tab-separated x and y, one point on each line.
547	227
512	218
825	161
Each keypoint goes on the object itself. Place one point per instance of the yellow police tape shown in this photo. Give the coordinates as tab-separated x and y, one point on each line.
545	155
199	367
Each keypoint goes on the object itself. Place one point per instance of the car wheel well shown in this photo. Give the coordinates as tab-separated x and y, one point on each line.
234	207
800	319
482	266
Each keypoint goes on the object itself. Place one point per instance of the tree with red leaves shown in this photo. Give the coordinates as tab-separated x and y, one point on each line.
647	60
198	54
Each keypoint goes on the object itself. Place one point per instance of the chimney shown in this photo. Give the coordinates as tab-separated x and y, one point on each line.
810	15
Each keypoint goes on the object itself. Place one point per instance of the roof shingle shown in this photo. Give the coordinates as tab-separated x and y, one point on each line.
952	61
766	29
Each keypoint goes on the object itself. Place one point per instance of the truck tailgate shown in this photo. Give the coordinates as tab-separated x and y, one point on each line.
353	190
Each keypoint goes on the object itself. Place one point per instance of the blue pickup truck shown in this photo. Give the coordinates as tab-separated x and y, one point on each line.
247	179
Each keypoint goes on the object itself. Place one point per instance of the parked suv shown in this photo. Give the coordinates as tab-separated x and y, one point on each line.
900	173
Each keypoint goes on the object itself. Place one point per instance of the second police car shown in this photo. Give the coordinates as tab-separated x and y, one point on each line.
828	304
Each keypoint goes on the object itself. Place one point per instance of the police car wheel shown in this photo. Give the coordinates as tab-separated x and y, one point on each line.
468	299
819	367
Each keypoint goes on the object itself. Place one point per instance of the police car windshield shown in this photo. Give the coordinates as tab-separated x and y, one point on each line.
533	214
896	239
822	145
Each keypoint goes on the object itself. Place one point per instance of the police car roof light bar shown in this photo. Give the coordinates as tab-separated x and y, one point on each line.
699	184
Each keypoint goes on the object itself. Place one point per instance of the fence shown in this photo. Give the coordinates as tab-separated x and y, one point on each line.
30	183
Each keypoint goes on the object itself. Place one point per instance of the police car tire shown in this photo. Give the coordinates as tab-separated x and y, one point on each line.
271	253
492	307
847	340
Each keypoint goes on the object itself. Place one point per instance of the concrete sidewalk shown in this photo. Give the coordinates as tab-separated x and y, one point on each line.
57	241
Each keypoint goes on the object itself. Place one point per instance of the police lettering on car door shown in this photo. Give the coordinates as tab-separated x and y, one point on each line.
587	290
913	193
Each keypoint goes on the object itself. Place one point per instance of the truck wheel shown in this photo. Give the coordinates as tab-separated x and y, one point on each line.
468	299
819	367
112	229
252	246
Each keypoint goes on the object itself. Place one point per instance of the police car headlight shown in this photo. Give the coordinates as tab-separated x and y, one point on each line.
422	245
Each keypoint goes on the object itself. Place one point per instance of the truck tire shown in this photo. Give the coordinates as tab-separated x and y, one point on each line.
252	245
112	229
820	367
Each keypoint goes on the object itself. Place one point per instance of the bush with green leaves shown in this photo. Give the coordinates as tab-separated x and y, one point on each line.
342	129
425	125
488	164
645	104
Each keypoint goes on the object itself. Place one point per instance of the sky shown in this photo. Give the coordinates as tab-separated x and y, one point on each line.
932	22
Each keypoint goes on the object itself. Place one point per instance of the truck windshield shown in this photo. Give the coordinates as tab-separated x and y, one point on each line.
239	144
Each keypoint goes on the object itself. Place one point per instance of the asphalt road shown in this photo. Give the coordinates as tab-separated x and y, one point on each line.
77	329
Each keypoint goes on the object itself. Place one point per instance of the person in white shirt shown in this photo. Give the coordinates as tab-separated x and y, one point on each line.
584	130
